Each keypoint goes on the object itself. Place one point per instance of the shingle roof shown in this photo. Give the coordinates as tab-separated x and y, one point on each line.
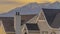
8	22
31	26
25	18
50	14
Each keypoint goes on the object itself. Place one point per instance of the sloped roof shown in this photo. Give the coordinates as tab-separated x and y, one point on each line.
8	22
56	22
50	15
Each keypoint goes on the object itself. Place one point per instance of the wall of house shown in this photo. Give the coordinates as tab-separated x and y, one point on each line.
45	28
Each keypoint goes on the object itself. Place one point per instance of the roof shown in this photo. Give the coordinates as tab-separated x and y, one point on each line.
8	22
31	26
56	22
25	18
50	15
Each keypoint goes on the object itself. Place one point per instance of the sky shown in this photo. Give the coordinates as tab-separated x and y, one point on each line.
7	5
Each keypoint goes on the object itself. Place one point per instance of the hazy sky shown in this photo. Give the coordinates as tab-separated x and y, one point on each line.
7	5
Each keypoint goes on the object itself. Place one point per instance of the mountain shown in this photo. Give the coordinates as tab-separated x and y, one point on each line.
55	5
31	8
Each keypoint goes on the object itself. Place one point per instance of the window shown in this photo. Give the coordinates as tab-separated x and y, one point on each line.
31	26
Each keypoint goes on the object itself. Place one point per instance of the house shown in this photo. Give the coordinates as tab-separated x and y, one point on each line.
8	23
17	22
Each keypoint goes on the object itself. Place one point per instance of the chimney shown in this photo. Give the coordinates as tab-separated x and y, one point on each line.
17	23
17	13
